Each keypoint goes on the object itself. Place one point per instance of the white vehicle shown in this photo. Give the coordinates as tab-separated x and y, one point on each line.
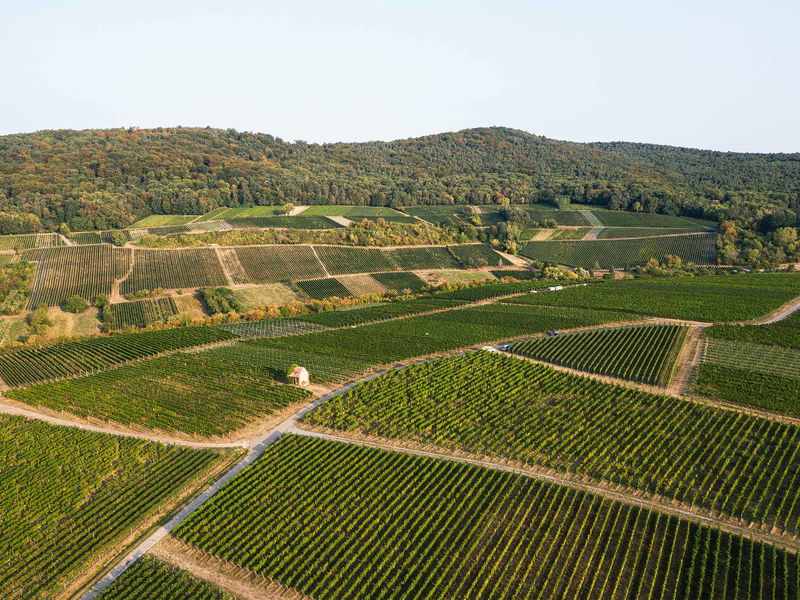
489	348
555	288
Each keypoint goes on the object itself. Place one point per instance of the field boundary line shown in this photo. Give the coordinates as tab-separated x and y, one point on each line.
321	264
238	581
788	542
257	448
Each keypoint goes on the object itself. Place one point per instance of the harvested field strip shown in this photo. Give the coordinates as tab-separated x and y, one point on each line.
271	328
483	533
733	464
643	353
358	285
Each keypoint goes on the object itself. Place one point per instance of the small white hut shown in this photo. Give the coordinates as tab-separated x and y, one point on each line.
299	376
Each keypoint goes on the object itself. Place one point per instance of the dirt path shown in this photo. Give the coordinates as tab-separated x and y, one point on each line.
543	234
115	295
65	239
257	447
593	233
296	211
231	265
343	221
591	218
319	260
779	314
516	261
688	362
608	490
237	581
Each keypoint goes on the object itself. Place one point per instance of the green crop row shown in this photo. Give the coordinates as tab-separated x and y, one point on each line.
739	465
343	522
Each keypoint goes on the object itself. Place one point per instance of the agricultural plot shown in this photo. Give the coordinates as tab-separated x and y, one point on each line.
267	294
271	328
421	257
619	218
341	259
645	353
242	212
359	285
173	269
521	274
88	237
495	290
570	234
772	360
572	218
142	313
379	312
273	360
162	220
390	341
297	222
771	392
742	466
354	213
405	283
696	248
477	255
628	232
192	393
88	271
34	365
344	522
153	579
214	214
30	240
712	298
319	289
271	264
784	333
68	494
440	215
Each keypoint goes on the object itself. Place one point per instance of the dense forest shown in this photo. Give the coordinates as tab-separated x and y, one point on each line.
100	179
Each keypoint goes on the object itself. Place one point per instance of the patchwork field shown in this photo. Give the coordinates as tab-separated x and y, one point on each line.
707	298
69	494
195	394
142	313
644	353
483	534
171	269
271	264
695	248
739	466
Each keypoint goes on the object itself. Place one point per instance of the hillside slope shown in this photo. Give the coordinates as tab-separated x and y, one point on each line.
97	179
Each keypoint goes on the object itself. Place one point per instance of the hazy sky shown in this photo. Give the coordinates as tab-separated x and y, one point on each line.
711	74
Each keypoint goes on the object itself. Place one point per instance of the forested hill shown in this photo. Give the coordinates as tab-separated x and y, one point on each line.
99	179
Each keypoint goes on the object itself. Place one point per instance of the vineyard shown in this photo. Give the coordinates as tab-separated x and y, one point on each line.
477	255
320	289
341	259
706	298
760	390
270	264
192	393
151	579
620	218
430	257
352	212
88	271
380	312
390	341
142	313
627	232
439	215
171	269
68	494
696	248
271	328
784	333
645	354
162	220
34	365
407	283
738	465
572	218
297	222
772	360
359	285
30	240
343	522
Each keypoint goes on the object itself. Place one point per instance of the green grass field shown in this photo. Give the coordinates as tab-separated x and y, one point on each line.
162	220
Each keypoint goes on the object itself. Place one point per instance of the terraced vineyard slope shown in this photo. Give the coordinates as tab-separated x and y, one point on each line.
338	521
487	404
645	354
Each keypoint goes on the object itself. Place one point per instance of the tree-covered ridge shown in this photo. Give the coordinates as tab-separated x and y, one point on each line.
99	179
